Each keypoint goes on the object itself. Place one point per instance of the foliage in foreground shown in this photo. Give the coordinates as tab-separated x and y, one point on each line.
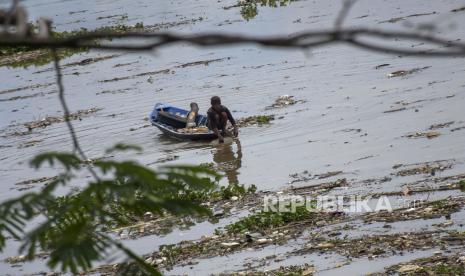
73	227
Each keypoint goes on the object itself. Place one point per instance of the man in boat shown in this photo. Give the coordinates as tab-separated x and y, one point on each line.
218	117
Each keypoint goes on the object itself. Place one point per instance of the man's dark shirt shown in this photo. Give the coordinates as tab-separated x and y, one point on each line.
213	123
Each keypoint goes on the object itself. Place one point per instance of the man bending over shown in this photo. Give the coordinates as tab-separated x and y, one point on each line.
218	116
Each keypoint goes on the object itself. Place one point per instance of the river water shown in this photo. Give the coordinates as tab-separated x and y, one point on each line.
339	124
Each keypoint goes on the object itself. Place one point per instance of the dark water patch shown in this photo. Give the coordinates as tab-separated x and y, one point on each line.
31	87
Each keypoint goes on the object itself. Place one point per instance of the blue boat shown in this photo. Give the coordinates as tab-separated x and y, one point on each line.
171	120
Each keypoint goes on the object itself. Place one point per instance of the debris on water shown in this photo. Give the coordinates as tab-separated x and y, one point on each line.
443	125
88	61
218	213
49	120
264	240
164	159
382	65
29	87
151	73
457	128
36	180
425	210
148	216
141	127
424	168
324	245
199	129
395	110
350	130
402	73
408	268
29	144
458	9
16	259
283	101
254	120
428	134
438	264
202	62
406	191
116	91
230	244
40	94
444	224
328	174
397	19
306	176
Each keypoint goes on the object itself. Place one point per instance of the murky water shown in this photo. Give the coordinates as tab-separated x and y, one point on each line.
340	86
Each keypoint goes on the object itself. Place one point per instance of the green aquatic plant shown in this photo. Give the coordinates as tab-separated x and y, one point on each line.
72	228
268	220
446	269
249	8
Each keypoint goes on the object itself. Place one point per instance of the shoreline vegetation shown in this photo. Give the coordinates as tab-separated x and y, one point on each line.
263	228
22	56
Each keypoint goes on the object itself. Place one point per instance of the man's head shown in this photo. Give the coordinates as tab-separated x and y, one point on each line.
215	102
194	107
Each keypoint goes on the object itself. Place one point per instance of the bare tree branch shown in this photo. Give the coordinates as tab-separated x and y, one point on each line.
347	4
311	39
64	105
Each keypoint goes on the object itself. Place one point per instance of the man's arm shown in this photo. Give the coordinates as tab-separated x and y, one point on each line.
233	122
230	117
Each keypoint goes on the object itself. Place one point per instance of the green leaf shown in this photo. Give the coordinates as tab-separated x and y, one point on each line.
123	147
68	160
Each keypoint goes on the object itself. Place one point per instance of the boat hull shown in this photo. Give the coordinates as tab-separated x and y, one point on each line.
171	130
